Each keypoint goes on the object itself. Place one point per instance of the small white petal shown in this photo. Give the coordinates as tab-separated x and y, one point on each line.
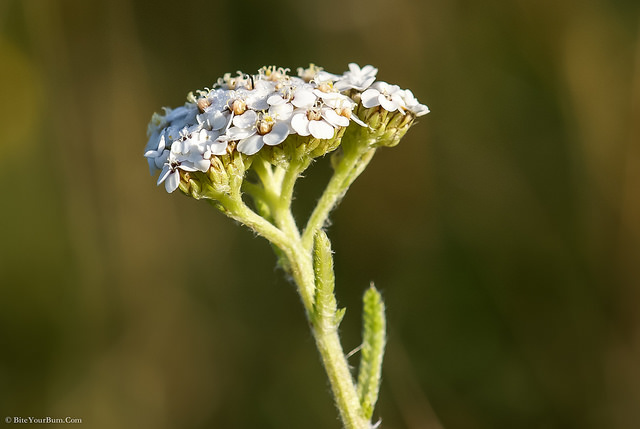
333	99
355	68
264	86
151	154
392	89
370	98
172	182
156	142
342	84
381	86
276	100
303	98
202	165
277	135
218	148
247	119
201	136
258	103
357	120
236	133
369	70
323	76
321	129
396	97
334	119
366	83
408	97
187	167
281	111
178	147
387	104
251	145
166	170
212	136
196	152
300	123
219	121
420	109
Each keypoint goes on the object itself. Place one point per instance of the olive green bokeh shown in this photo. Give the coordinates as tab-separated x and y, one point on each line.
503	231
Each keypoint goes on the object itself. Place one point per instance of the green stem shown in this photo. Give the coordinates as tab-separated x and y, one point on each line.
300	261
345	173
302	273
325	319
344	391
264	170
315	286
324	322
236	209
282	210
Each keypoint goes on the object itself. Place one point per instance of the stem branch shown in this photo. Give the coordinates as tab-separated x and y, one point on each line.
346	171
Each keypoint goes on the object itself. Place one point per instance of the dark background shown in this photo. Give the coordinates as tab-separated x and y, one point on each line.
503	232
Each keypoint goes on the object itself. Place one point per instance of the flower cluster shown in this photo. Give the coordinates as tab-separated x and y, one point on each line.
245	113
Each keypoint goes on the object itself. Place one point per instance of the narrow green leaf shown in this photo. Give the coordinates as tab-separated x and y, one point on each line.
373	343
324	307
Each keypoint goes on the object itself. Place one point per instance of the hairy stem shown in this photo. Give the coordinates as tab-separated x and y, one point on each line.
345	173
311	267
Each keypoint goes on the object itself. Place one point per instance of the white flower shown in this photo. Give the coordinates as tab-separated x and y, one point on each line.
254	131
320	122
325	77
214	119
219	145
357	78
193	151
170	174
256	97
412	103
244	125
174	120
385	95
333	99
275	133
342	105
158	156
264	109
279	108
219	98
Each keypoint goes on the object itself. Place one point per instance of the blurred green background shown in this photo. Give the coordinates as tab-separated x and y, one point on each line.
504	231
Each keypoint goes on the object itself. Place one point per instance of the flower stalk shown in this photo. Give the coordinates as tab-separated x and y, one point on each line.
273	126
